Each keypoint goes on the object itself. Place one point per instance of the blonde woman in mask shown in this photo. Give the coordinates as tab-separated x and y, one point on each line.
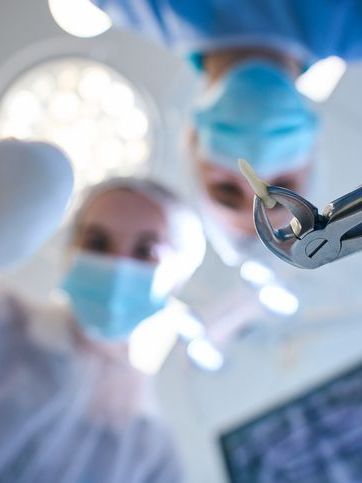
70	403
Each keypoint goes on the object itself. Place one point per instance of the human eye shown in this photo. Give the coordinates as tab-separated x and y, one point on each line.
228	194
148	248
95	241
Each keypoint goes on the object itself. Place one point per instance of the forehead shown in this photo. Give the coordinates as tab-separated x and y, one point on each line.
122	210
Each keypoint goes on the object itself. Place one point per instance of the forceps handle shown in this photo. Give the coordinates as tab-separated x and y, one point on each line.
344	206
344	213
345	220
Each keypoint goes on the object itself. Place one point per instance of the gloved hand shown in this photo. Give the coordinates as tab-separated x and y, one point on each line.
36	181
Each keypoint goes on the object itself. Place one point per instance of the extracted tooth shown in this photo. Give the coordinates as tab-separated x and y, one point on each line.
259	186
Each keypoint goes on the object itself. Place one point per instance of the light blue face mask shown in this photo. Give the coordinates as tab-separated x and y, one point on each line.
111	296
256	113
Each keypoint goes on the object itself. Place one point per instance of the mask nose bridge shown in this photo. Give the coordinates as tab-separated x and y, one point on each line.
122	246
122	252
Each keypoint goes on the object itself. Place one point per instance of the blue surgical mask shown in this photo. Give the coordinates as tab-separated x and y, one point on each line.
111	296
256	113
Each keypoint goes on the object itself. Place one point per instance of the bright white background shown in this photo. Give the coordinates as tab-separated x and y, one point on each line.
266	366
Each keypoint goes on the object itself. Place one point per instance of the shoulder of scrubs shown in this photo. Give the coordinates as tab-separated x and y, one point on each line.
307	29
12	313
46	326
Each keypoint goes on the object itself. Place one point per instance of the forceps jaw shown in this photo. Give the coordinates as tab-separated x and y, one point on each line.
312	240
278	242
281	241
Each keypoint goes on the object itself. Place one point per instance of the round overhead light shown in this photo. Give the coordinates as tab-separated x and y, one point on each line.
67	14
88	109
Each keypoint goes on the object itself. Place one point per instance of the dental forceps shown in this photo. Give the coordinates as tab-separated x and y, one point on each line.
312	239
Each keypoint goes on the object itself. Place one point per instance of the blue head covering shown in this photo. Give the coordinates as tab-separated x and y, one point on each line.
256	113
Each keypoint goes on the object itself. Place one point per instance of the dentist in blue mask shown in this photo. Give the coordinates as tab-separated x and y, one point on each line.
133	244
249	54
72	406
250	109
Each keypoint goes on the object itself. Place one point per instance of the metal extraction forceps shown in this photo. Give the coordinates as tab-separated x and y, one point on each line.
311	239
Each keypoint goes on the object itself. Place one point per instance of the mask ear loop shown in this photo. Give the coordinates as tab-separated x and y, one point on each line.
259	186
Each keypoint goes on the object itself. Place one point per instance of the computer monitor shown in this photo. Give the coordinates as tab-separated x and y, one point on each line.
314	438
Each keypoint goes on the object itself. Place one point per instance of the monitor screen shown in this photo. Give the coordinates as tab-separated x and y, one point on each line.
314	438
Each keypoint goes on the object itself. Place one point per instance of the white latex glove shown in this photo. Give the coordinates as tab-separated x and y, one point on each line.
36	181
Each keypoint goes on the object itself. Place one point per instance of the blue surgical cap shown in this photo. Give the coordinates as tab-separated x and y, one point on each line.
256	113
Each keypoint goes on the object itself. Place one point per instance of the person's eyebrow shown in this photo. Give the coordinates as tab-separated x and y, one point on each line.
91	228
